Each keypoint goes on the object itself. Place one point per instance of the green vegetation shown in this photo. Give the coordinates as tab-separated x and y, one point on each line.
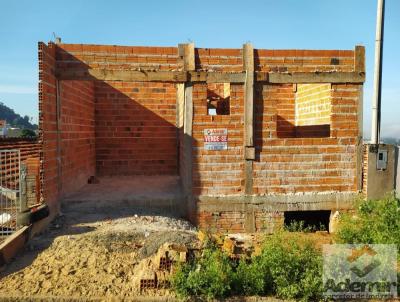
14	119
27	133
209	276
288	266
373	222
300	226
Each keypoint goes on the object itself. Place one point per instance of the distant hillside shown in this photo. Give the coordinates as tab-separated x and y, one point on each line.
14	119
391	140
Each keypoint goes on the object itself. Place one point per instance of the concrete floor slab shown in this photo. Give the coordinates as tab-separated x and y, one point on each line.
145	193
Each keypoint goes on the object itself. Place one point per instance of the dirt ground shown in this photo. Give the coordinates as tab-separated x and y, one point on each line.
92	256
99	252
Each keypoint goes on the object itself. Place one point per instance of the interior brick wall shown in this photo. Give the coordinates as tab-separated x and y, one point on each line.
136	128
77	134
76	123
313	104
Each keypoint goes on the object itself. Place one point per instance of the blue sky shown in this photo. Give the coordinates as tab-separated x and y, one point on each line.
271	24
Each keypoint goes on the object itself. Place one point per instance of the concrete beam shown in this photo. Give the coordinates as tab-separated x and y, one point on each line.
282	202
83	74
311	77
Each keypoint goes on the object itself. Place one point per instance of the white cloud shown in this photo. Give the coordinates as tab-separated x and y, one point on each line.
18	89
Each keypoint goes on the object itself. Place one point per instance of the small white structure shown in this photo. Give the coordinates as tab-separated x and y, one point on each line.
3	128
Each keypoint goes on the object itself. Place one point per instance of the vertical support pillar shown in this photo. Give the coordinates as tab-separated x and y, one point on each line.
249	150
187	56
359	66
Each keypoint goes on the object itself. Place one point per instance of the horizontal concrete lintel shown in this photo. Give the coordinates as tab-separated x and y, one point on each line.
311	77
290	202
87	74
149	76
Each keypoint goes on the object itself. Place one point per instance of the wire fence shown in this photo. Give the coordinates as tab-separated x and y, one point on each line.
10	165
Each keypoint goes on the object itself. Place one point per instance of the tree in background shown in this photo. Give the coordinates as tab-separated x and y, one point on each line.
27	133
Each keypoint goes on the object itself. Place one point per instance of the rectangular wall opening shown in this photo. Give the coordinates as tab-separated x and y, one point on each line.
308	114
218	98
307	220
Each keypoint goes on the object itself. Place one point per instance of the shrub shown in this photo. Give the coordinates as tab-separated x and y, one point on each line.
375	221
248	278
292	268
288	267
209	276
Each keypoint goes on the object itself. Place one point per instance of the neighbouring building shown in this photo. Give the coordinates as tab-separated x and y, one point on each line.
3	128
252	133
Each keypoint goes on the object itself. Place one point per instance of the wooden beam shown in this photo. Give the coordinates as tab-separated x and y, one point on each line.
248	66
359	58
311	77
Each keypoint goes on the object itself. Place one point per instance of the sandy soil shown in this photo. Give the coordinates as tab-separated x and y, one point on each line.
92	256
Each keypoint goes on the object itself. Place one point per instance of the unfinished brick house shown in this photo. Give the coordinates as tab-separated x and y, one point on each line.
252	134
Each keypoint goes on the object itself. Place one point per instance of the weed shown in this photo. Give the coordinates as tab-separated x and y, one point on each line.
375	221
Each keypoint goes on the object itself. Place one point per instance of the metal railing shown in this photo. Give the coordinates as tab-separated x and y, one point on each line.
10	197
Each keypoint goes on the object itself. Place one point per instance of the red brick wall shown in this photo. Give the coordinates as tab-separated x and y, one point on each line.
77	134
136	125
48	123
218	172
136	128
135	122
117	57
298	60
28	147
77	130
302	164
219	59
